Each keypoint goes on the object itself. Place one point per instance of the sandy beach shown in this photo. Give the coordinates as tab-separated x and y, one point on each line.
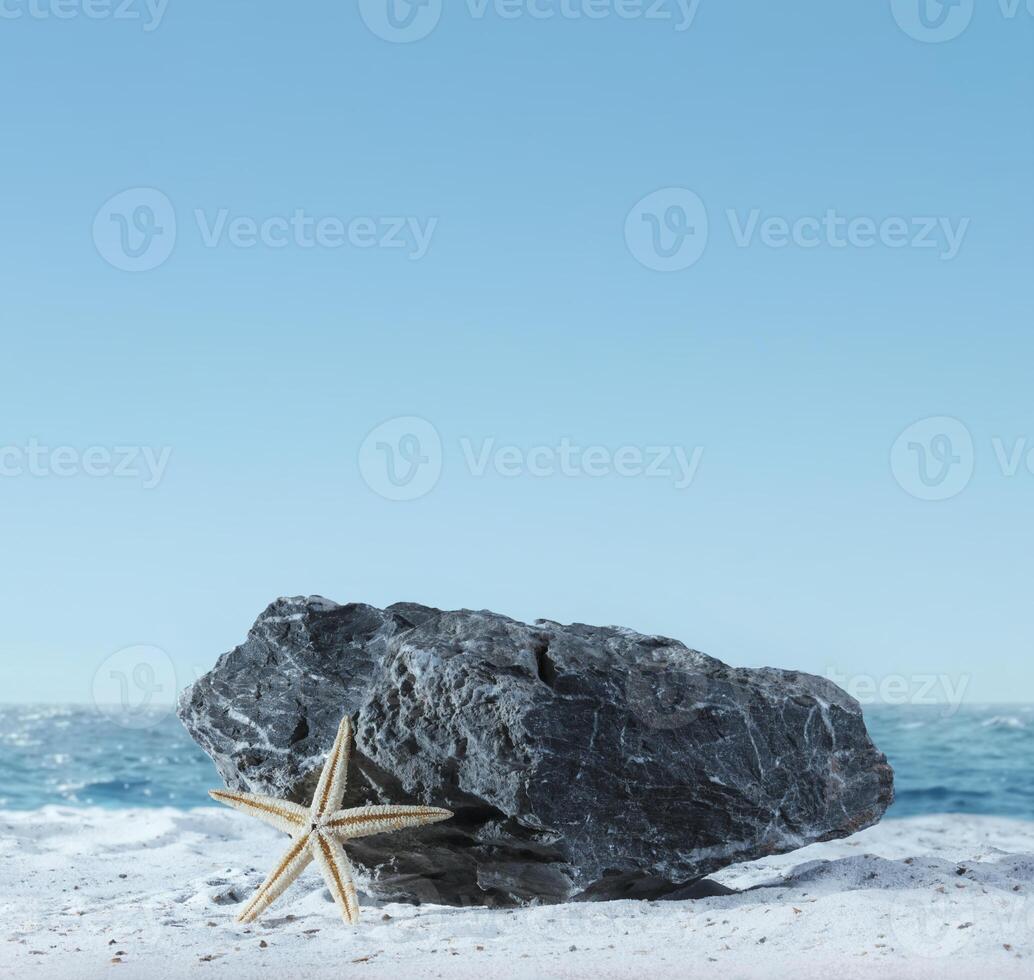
153	893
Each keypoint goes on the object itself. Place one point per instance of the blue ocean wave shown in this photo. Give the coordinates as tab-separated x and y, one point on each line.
976	759
969	759
79	756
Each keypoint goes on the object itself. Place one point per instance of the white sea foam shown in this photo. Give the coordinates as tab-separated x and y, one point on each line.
1004	721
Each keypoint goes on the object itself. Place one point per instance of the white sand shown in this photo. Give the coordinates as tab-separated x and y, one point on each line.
158	890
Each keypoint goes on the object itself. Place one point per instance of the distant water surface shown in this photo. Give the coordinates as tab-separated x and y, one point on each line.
77	756
978	759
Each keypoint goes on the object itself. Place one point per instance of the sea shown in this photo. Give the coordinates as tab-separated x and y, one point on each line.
970	759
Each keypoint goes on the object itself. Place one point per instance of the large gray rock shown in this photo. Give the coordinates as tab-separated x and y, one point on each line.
580	761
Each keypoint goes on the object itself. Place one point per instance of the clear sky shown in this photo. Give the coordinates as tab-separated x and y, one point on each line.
327	230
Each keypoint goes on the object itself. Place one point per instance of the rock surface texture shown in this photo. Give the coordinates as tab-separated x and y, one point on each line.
580	761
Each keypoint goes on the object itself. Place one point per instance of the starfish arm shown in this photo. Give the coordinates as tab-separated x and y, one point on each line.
292	864
331	789
367	820
332	861
285	816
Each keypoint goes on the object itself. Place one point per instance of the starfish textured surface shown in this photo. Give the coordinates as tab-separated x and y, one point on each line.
317	833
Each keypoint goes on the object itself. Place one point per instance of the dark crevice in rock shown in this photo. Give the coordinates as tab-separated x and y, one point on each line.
476	815
705	888
300	732
546	668
639	887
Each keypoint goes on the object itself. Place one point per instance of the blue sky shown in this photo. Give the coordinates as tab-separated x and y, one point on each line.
848	210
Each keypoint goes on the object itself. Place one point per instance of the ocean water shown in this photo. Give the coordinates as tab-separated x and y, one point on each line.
78	756
976	759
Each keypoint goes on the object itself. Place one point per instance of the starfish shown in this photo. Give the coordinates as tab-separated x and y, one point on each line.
317	832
